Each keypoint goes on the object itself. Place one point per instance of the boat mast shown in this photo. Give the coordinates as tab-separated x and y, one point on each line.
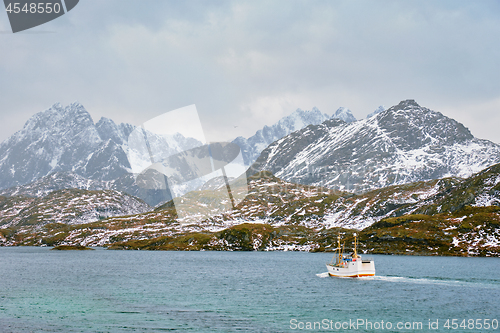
355	247
340	252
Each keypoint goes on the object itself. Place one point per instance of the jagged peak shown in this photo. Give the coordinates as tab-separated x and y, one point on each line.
56	113
60	109
411	108
296	120
76	104
345	114
55	106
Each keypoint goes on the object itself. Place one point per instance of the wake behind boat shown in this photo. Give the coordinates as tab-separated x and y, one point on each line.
350	265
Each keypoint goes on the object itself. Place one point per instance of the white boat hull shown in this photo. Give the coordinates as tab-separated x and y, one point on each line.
355	268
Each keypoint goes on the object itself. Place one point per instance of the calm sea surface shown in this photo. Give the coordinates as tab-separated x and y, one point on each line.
147	291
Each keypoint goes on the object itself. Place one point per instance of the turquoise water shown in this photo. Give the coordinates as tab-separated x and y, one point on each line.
147	291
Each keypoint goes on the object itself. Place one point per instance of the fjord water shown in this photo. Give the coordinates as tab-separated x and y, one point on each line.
148	291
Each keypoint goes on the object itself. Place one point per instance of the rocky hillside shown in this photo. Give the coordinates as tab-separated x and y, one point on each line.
70	206
277	215
480	190
53	182
69	180
470	232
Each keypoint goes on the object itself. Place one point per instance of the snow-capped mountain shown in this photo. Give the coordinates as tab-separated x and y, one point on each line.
53	140
254	145
66	139
344	114
403	144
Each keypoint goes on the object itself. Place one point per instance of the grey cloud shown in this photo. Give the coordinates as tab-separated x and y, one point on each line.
131	61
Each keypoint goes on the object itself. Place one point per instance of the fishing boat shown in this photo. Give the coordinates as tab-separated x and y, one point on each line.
350	265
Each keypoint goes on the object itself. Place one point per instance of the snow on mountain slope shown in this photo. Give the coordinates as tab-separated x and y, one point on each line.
284	205
50	141
406	143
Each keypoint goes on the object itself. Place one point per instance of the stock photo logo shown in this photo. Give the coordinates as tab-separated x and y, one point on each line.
203	179
26	14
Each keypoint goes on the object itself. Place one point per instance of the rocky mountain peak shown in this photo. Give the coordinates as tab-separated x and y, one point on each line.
345	114
406	104
108	130
57	118
56	139
411	126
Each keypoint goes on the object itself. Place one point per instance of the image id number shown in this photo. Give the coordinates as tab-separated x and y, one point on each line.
34	8
471	324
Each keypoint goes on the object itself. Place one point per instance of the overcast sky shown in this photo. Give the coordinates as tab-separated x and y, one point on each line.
246	64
